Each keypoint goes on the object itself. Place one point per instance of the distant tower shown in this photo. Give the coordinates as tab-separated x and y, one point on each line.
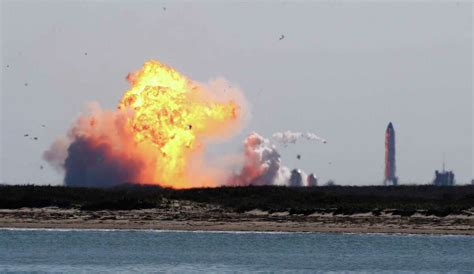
444	178
311	180
390	178
296	178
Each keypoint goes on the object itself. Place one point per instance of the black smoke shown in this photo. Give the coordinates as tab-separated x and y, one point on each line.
92	164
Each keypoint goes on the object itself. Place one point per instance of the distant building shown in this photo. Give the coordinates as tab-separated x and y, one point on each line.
443	178
390	167
296	178
330	183
311	180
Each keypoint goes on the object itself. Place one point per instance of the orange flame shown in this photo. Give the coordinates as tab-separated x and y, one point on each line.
172	113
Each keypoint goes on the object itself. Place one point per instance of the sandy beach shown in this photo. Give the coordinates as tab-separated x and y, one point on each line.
184	215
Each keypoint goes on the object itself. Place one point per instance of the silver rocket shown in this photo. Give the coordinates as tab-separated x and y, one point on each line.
390	167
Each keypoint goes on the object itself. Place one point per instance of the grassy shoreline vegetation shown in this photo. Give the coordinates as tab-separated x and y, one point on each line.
338	200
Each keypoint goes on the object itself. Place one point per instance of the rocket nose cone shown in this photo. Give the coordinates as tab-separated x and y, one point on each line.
390	126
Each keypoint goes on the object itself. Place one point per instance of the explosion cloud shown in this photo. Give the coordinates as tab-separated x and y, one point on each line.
157	135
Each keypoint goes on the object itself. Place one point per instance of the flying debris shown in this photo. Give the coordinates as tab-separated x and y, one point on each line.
43	125
85	53
281	37
190	126
26	135
298	156
35	138
26	84
164	8
8	66
41	167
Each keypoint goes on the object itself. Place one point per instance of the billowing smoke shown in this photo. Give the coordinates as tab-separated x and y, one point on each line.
262	164
99	150
158	135
289	137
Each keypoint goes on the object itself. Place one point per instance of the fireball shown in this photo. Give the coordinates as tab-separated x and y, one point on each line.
174	115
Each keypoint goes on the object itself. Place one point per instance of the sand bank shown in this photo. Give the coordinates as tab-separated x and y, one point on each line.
184	215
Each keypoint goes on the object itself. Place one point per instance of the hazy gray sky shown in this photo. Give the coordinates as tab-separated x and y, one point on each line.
344	70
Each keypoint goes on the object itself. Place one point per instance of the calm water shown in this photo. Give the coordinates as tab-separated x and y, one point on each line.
158	251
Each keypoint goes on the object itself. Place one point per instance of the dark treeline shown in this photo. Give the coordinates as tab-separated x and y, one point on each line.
118	198
404	200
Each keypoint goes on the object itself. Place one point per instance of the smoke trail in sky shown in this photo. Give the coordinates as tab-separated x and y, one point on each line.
289	137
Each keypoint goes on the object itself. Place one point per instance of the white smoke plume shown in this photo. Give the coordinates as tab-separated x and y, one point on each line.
262	164
311	136
289	137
